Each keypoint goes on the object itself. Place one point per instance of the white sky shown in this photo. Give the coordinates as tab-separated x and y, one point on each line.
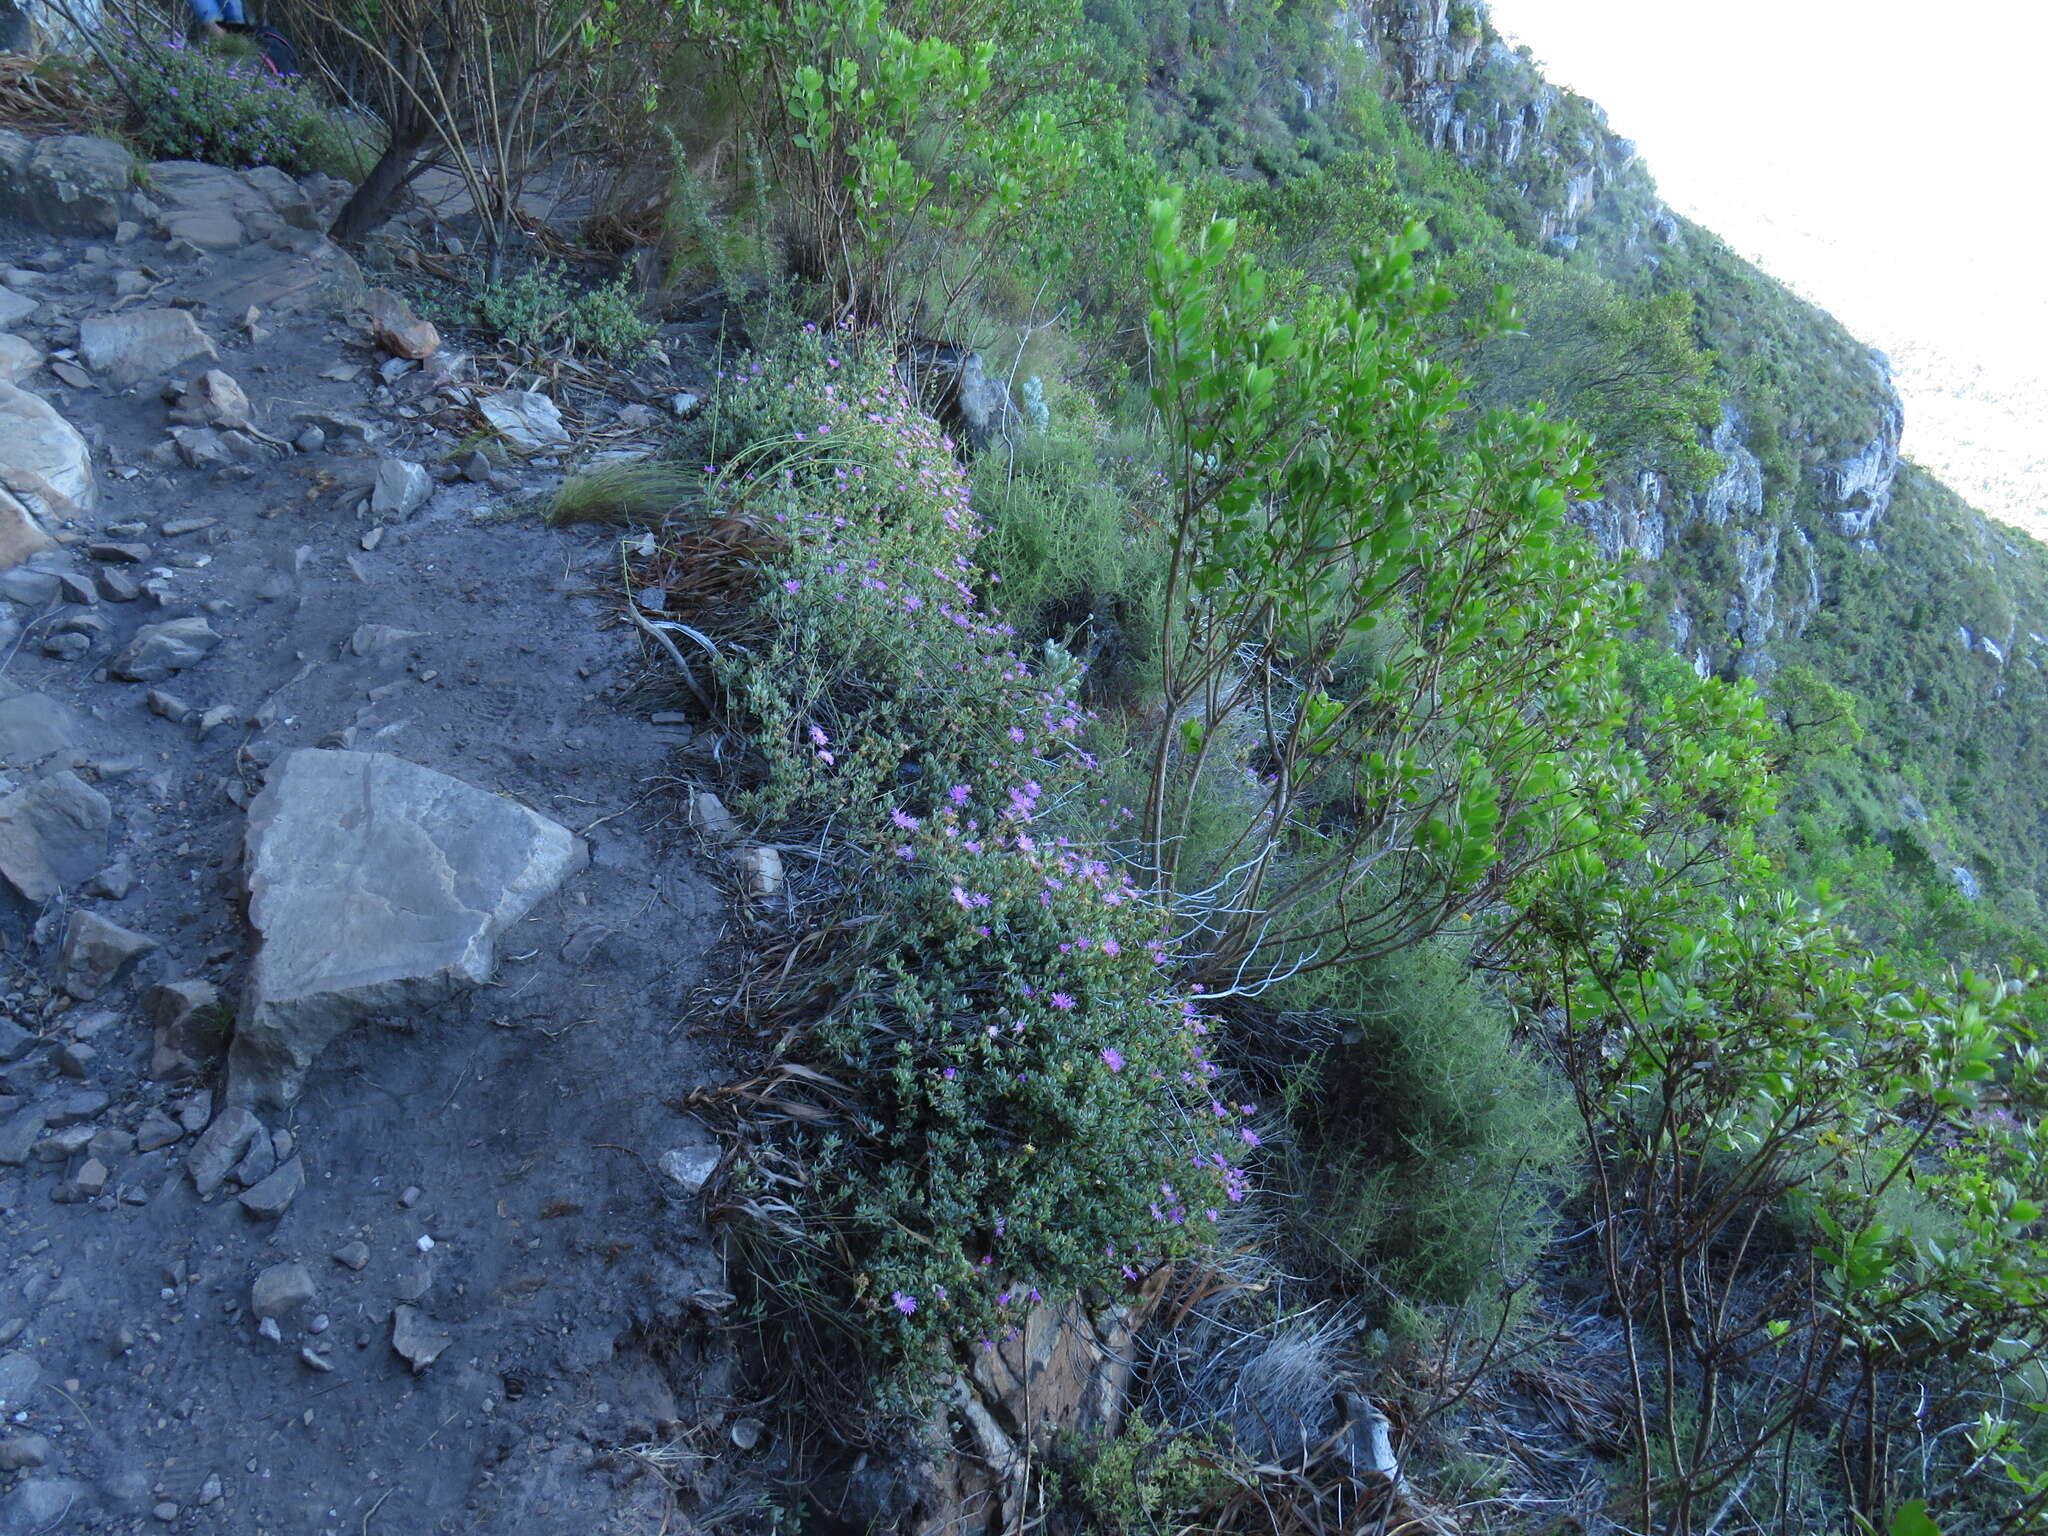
1889	159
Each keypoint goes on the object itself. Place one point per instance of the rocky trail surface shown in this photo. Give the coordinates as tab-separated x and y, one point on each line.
304	745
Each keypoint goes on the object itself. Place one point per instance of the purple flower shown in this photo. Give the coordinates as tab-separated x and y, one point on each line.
1061	1001
904	1304
1113	1057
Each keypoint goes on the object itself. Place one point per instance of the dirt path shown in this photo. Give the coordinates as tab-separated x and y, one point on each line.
497	1164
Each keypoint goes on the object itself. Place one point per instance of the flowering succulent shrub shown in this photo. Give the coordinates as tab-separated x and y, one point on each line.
1039	1110
227	109
541	310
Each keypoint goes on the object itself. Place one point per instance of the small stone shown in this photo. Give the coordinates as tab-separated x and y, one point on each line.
691	1168
354	1256
320	1324
213	400
195	1113
74	1060
114	882
216	717
76	1108
372	538
273	1196
270	1330
313	1360
120	1341
222	1147
157	1130
397	329
709	816
117	585
166	1511
369	639
167	705
110	1144
410	1197
526	418
190	1027
117	552
19	1453
416	1338
96	952
425	1244
92	1178
401	489
760	870
158	650
15	1041
256	1164
210	1491
178	528
281	1290
60	1146
685	404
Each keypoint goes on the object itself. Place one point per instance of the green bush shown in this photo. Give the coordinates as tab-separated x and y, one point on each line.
232	109
1061	539
541	310
1439	1145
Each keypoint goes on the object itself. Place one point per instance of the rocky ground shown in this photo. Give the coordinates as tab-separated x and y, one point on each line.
441	1274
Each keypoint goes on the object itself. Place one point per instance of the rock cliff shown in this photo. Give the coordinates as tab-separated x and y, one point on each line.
1579	186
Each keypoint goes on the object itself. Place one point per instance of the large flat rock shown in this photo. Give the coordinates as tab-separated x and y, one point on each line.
377	889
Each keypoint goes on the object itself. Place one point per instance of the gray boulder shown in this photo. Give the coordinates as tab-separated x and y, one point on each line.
71	184
376	888
43	460
402	488
158	650
142	343
220	209
53	834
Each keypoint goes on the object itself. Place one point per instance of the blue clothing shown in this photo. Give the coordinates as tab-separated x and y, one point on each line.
208	12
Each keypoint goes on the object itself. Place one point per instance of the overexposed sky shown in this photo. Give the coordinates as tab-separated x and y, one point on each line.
1889	159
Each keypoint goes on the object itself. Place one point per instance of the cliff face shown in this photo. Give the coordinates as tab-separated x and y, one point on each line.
1582	189
1474	97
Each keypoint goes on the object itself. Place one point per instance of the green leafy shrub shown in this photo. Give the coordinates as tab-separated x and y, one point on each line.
541	310
1444	1144
230	109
